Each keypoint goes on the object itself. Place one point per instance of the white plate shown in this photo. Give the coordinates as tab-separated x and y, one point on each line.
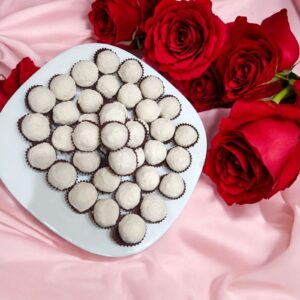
48	206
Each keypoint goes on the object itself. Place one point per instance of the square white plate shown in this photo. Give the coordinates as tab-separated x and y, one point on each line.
48	206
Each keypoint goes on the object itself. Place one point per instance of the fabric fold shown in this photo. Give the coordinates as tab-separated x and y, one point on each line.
212	252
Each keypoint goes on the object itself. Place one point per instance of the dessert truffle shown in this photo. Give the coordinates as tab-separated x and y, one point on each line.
40	99
89	117
106	213
82	196
65	113
152	87
35	127
140	156
170	107
90	101
186	135
178	159
107	61
61	138
85	136
162	130
128	195
63	86
85	73
153	208
137	133
147	110
123	162
147	178
132	229
172	186
108	85
114	111
114	135
155	152
61	175
41	156
129	94
105	180
130	71
86	162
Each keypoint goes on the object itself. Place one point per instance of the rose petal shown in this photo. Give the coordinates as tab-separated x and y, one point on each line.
289	172
277	26
273	140
23	70
243	112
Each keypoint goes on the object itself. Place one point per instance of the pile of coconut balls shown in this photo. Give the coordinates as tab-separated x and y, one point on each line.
102	133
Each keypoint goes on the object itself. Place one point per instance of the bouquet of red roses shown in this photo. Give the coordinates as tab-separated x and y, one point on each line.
242	65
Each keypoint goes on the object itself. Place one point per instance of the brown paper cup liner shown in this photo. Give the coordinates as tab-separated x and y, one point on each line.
160	81
129	59
27	102
158	165
136	117
19	125
192	144
180	110
106	99
91	215
165	142
138	158
145	219
173	198
100	191
62	151
191	160
78	85
55	188
145	138
117	238
80	171
108	102
82	112
125	209
129	174
96	55
134	178
69	204
111	122
74	126
49	84
32	167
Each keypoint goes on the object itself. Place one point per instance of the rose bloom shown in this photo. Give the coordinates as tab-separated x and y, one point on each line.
117	21
23	70
183	38
253	53
256	151
203	92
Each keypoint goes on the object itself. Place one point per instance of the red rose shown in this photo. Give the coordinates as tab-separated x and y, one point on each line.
256	152
183	38
117	21
23	70
203	92
253	53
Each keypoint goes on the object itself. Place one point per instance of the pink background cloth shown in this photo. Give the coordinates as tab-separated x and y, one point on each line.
212	252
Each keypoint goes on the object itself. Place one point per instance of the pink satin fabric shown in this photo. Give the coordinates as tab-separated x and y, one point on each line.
213	252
